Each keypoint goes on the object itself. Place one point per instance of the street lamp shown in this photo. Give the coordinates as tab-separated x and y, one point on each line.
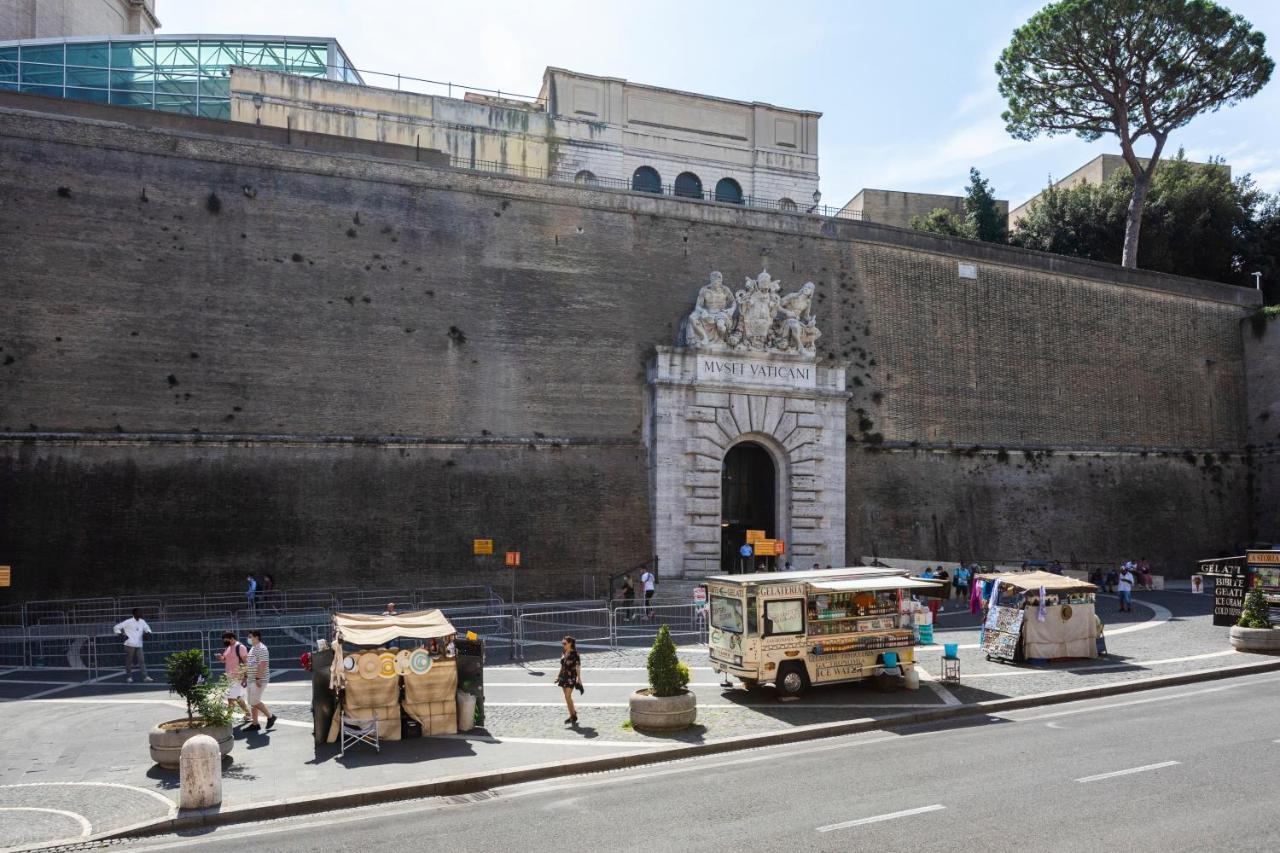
817	197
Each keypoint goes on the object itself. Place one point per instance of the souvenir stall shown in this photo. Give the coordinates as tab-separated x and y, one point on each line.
1038	616
401	668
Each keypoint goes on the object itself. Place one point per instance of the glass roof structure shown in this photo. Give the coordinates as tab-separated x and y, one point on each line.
178	74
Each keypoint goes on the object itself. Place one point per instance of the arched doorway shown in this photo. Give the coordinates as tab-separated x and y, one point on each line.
748	501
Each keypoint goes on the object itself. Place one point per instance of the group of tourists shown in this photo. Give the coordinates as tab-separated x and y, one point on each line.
649	584
247	667
1121	580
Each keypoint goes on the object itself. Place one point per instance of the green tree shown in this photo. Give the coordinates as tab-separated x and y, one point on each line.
1199	222
1261	251
944	222
982	214
982	219
1138	69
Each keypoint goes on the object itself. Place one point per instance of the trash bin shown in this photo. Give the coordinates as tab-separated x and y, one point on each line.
466	711
950	650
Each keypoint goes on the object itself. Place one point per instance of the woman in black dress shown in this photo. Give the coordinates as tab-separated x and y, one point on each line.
570	675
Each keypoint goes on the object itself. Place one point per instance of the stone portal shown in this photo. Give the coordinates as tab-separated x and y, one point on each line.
746	382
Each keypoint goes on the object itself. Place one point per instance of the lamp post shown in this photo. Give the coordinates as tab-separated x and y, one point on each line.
817	197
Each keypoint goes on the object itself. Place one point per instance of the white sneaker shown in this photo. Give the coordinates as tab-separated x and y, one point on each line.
129	680
148	678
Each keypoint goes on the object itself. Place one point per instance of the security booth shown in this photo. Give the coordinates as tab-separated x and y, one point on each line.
1038	617
798	629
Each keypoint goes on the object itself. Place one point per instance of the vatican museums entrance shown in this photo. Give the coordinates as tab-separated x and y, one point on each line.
748	501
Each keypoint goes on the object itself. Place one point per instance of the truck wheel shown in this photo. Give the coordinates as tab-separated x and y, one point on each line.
792	680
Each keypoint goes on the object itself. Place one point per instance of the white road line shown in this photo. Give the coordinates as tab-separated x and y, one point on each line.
1102	667
170	804
1008	715
718	706
849	824
947	697
73	684
86	828
545	681
1114	773
553	741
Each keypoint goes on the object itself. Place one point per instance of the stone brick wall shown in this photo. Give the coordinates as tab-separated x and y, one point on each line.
222	353
1262	357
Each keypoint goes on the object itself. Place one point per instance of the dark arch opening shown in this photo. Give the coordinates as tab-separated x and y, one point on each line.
748	501
646	180
688	185
727	189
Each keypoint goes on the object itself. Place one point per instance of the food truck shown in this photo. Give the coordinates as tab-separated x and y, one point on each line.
797	629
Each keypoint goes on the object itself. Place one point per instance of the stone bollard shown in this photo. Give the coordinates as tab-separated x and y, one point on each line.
200	772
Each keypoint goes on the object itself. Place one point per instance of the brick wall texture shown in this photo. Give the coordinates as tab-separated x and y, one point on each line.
222	355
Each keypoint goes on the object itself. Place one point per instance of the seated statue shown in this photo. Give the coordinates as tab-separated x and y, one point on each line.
711	320
794	311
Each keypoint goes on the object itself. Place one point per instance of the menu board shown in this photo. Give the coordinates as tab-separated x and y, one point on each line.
1230	583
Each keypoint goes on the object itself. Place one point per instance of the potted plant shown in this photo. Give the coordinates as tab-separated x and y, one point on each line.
207	710
666	704
1253	631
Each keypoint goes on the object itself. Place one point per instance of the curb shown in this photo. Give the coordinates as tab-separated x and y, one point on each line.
474	782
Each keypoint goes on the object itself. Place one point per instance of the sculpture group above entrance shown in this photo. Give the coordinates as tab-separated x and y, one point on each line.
755	319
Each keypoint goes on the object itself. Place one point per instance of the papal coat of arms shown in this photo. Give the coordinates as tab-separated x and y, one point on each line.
755	318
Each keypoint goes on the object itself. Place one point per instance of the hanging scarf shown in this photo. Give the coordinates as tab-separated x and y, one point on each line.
1041	610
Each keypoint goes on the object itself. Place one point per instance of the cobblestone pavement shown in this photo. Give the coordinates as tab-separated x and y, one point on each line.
74	733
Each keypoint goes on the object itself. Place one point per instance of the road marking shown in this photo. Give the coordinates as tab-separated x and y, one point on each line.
1086	669
170	804
1114	773
849	824
718	705
947	697
1110	705
553	741
544	681
73	684
86	828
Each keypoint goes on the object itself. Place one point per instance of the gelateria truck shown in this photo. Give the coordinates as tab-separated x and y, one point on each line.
798	629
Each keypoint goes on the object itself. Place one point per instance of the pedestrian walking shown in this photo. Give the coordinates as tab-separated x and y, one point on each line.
268	590
235	659
647	581
133	630
1126	590
570	676
628	597
252	591
258	665
391	609
946	585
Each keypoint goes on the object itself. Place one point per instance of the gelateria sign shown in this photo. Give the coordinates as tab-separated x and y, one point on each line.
750	371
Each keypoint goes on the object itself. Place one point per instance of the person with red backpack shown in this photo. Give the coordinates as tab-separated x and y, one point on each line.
234	659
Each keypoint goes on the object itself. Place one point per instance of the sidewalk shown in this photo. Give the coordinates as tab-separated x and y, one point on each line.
88	742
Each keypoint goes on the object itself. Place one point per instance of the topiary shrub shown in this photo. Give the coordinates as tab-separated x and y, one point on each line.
1255	611
668	676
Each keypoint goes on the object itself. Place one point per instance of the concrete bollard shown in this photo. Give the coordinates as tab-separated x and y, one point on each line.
200	772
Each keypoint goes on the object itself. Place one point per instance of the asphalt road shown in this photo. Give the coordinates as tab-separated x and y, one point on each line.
1188	768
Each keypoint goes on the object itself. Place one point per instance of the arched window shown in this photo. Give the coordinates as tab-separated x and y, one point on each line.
646	180
727	189
786	204
688	185
586	176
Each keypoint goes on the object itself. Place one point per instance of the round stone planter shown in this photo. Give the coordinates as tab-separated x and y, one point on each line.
663	713
167	740
1263	640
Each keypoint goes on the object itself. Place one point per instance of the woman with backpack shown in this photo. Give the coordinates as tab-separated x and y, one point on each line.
234	657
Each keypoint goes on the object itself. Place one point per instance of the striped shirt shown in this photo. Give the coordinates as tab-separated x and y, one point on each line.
259	661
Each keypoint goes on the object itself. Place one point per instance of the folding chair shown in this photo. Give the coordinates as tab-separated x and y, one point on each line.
359	731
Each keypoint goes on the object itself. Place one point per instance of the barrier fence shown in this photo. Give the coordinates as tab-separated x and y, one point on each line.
93	650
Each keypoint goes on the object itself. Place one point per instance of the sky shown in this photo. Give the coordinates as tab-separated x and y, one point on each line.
907	88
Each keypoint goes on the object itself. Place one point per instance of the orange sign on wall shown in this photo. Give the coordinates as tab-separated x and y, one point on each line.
754	536
6	576
513	558
481	547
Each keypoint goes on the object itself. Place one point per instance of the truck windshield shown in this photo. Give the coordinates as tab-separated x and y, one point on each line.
726	613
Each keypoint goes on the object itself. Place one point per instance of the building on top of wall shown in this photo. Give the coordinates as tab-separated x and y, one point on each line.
1096	171
601	131
37	19
894	207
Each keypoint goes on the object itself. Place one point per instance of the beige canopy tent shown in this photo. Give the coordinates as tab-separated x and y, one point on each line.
1067	631
363	629
1033	581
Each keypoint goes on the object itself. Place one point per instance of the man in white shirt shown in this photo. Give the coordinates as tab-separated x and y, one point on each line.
647	580
1126	589
258	669
133	630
